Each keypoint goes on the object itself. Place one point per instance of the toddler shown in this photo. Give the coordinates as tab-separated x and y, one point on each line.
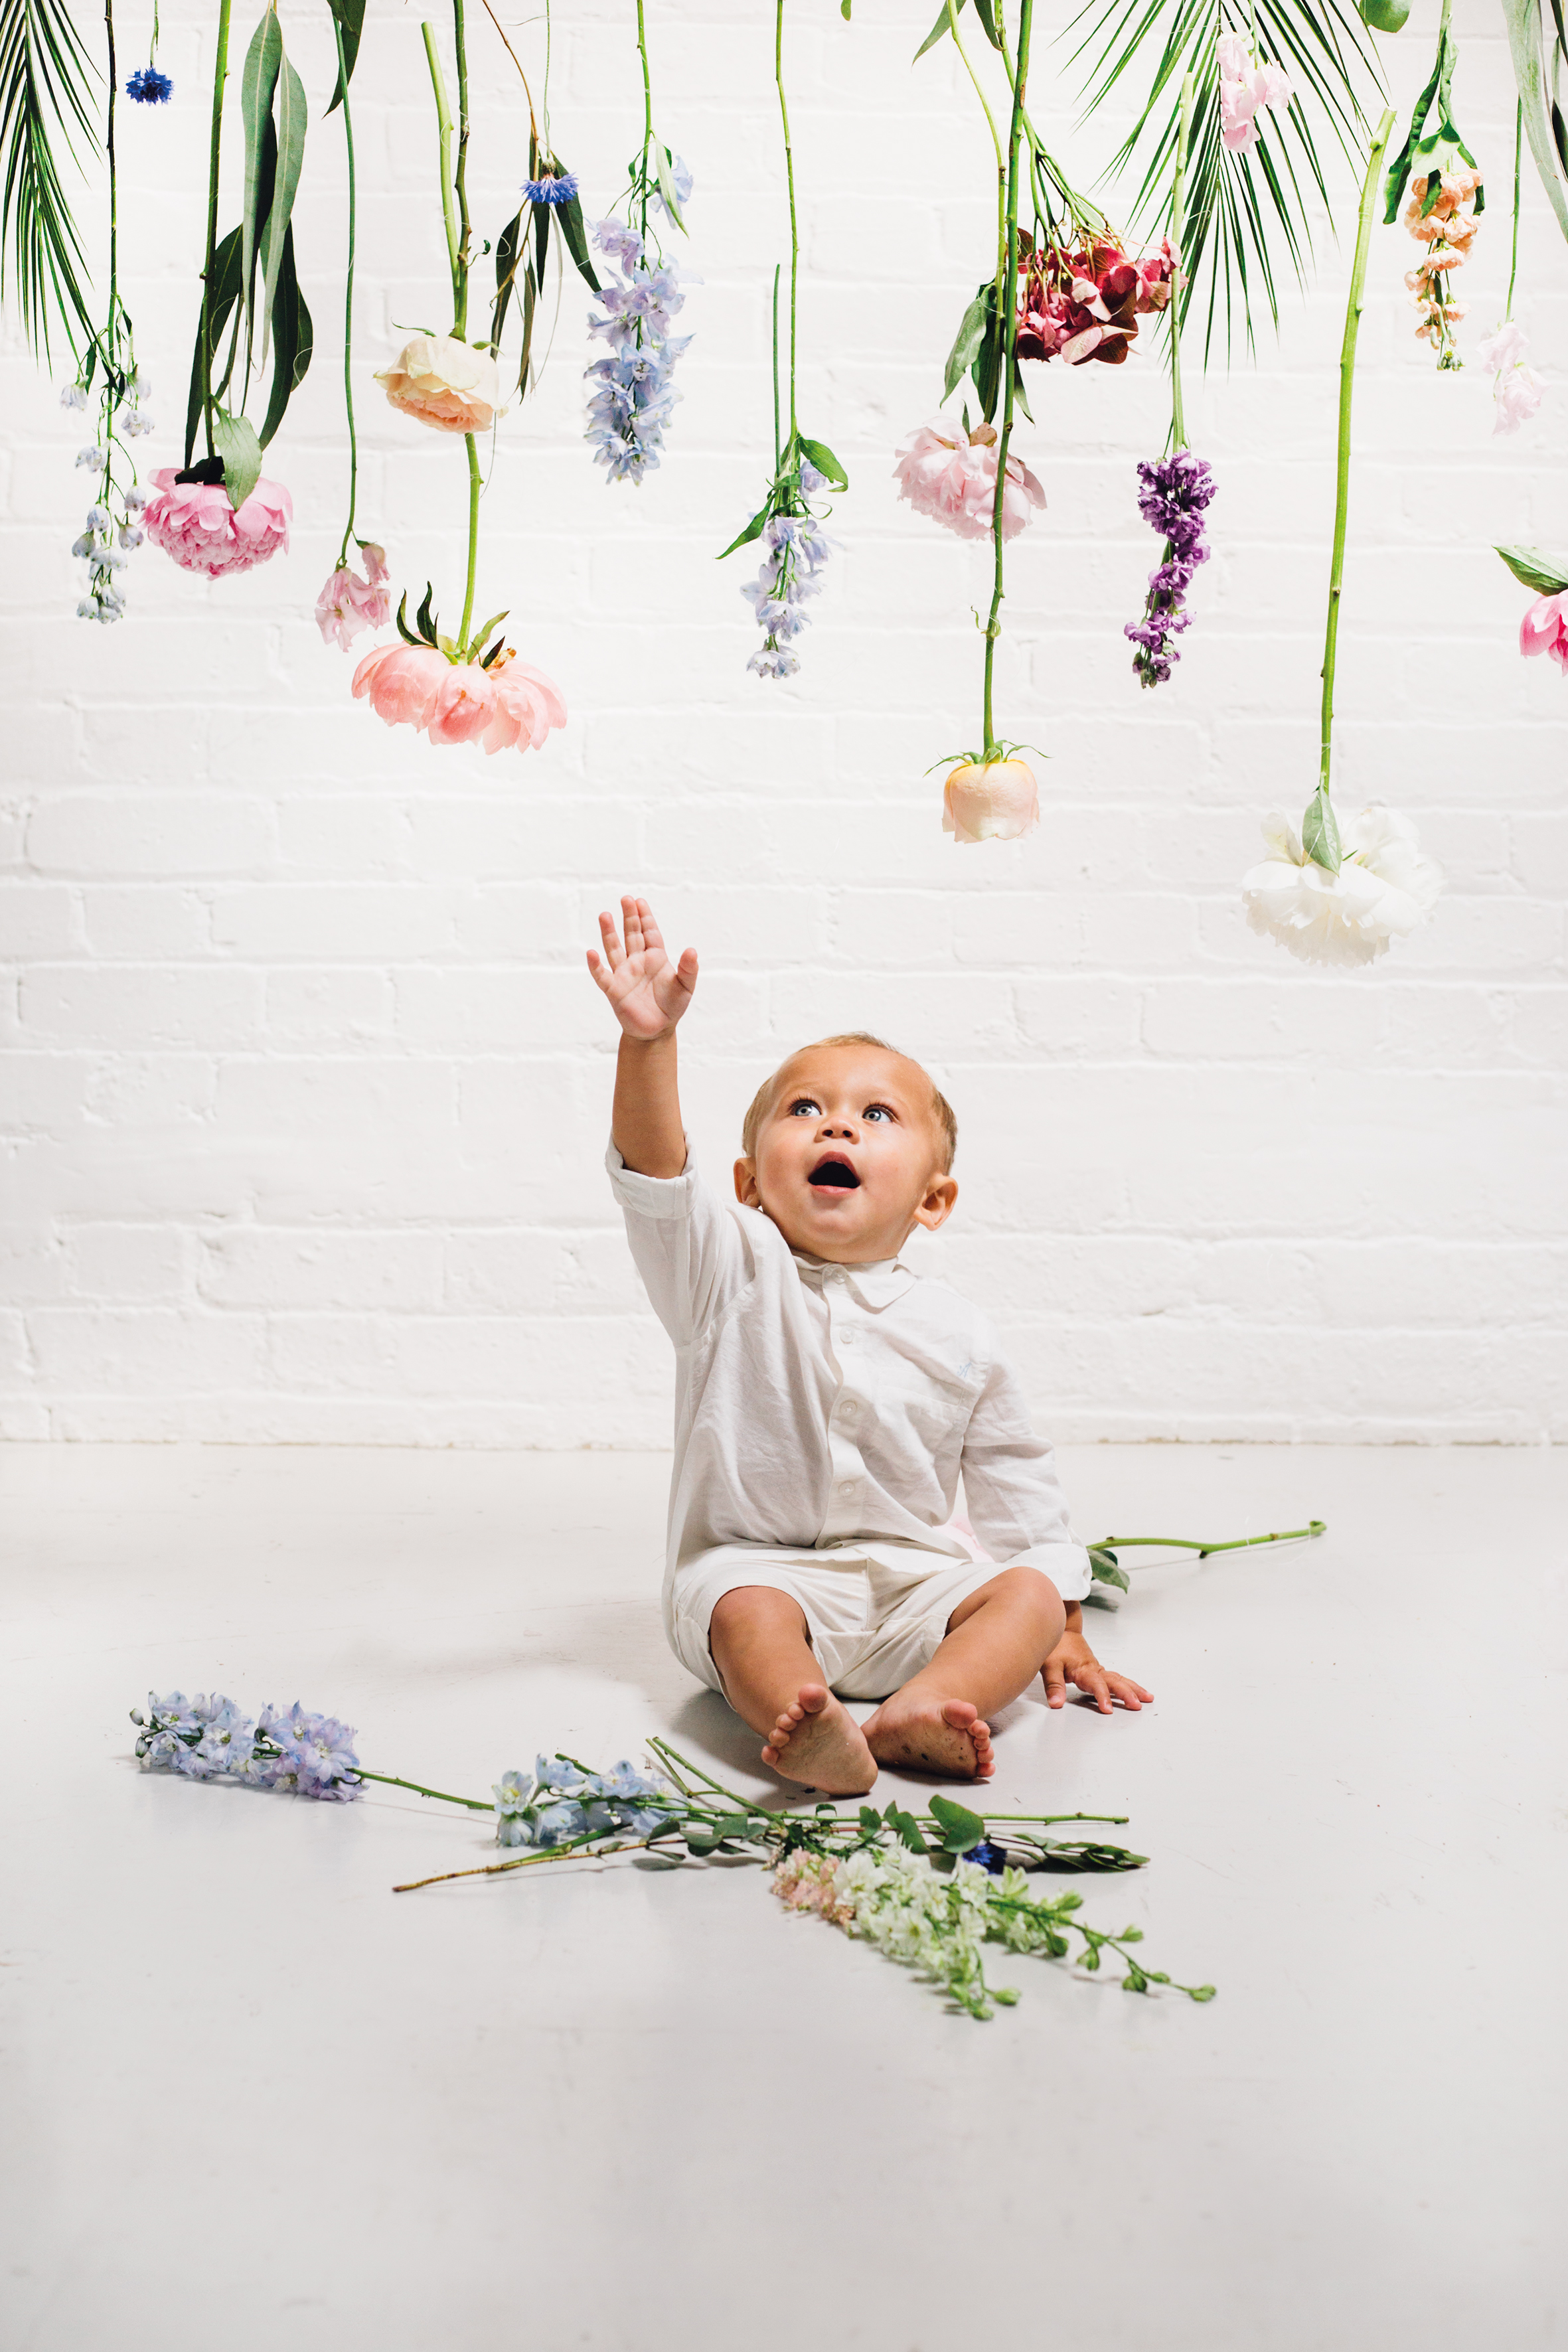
827	1400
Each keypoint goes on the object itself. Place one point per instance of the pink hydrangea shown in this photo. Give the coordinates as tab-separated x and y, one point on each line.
347	604
951	476
1545	629
508	705
1245	86
194	523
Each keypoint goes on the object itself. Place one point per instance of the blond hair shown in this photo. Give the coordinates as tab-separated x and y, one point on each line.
942	1110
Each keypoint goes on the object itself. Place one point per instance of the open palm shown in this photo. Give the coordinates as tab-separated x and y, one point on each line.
647	993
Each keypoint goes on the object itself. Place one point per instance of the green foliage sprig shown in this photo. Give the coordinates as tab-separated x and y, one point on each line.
45	87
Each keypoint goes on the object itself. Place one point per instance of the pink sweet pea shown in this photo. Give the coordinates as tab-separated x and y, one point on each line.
1244	86
194	523
952	476
348	604
1545	629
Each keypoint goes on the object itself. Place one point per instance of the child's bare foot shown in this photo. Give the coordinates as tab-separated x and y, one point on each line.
817	1741
915	1732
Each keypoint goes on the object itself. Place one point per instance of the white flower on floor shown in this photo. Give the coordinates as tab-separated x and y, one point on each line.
1382	891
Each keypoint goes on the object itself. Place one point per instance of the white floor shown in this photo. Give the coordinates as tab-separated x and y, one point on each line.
253	2099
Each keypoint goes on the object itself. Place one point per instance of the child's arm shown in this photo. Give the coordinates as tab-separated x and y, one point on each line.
647	995
1072	1660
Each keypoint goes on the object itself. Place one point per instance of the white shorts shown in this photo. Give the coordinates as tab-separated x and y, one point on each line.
872	1622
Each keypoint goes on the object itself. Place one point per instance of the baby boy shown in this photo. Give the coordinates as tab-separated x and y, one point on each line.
827	1400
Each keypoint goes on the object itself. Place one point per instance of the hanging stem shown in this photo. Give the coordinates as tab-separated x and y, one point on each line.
460	177
794	229
114	187
1178	231
1347	386
778	445
1007	313
1518	154
443	136
348	304
220	76
952	7
646	116
472	448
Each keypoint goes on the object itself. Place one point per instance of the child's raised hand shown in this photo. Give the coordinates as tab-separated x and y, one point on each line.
648	994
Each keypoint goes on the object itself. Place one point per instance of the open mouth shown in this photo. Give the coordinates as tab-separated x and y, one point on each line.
835	1175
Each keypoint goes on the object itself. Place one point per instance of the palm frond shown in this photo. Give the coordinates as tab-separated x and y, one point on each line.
45	86
1248	215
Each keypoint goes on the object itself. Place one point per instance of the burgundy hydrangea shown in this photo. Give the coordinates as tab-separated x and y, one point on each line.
1173	497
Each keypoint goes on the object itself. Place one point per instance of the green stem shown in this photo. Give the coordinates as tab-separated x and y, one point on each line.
460	177
953	6
1185	1543
778	445
348	306
444	135
220	76
442	1796
1178	233
1008	319
115	182
1347	386
647	115
794	227
1517	157
472	448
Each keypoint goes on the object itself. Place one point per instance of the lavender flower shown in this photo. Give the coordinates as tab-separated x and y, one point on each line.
797	548
550	188
149	87
630	407
1173	496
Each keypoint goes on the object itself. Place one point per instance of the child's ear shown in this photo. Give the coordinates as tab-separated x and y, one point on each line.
746	1191
937	1206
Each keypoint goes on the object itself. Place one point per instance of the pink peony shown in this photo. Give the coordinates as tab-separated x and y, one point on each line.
348	604
194	523
443	382
952	476
1545	629
994	802
458	702
1245	86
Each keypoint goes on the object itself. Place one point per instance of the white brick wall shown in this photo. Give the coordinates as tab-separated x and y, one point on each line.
304	1087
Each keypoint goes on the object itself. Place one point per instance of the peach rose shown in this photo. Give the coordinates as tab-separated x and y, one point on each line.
445	384
997	801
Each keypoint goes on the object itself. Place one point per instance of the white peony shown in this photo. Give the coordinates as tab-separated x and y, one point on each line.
1382	891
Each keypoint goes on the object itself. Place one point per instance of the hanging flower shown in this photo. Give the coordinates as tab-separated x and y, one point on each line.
996	800
1545	629
443	382
1084	303
347	604
506	706
550	188
150	88
1515	387
1245	86
1441	216
1175	491
629	409
1382	890
798	547
194	523
951	475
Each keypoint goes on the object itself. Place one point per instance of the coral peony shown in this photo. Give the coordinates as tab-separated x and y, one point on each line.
1382	890
996	802
194	523
347	604
1245	86
458	702
445	384
1545	629
952	476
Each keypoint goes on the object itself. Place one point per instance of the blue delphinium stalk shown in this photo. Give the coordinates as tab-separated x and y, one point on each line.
1173	497
559	1803
207	1738
798	547
630	407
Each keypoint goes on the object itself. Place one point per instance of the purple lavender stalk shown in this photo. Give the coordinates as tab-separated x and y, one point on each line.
1173	497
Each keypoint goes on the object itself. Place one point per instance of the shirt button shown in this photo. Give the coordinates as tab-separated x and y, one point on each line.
849	1331
846	1486
848	1408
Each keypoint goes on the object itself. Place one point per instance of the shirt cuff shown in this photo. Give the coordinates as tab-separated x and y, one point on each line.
652	1196
1067	1565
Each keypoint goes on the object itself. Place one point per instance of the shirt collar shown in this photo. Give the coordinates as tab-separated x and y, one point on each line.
873	1286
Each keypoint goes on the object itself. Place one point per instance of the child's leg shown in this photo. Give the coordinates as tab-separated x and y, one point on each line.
995	1640
772	1680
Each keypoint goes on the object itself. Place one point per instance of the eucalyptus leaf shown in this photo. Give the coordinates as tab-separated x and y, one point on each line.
960	1829
1537	568
289	109
257	82
1321	833
233	438
906	1828
350	14
940	27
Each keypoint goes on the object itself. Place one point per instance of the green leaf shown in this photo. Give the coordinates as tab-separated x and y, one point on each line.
478	636
986	12
823	459
870	1820
1534	567
753	531
960	1829
293	342
257	82
225	295
289	105
906	1828
424	619
404	631
45	84
350	14
507	247
1199	1992
967	341
1105	1568
844	8
664	165
1321	833
233	438
1536	71
575	238
940	27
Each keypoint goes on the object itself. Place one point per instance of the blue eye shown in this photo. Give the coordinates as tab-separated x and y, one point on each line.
803	1106
878	1111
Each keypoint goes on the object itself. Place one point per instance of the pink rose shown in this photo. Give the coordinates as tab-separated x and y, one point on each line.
348	604
996	802
445	384
194	523
1545	629
951	476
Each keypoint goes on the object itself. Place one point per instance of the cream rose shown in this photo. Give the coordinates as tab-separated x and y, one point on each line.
445	384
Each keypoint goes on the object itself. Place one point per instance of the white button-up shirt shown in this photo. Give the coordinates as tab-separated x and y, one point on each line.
824	1407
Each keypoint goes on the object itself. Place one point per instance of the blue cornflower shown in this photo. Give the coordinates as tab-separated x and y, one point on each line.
553	188
149	87
990	1857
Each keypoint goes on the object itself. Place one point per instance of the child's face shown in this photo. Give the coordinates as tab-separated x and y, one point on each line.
849	1156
